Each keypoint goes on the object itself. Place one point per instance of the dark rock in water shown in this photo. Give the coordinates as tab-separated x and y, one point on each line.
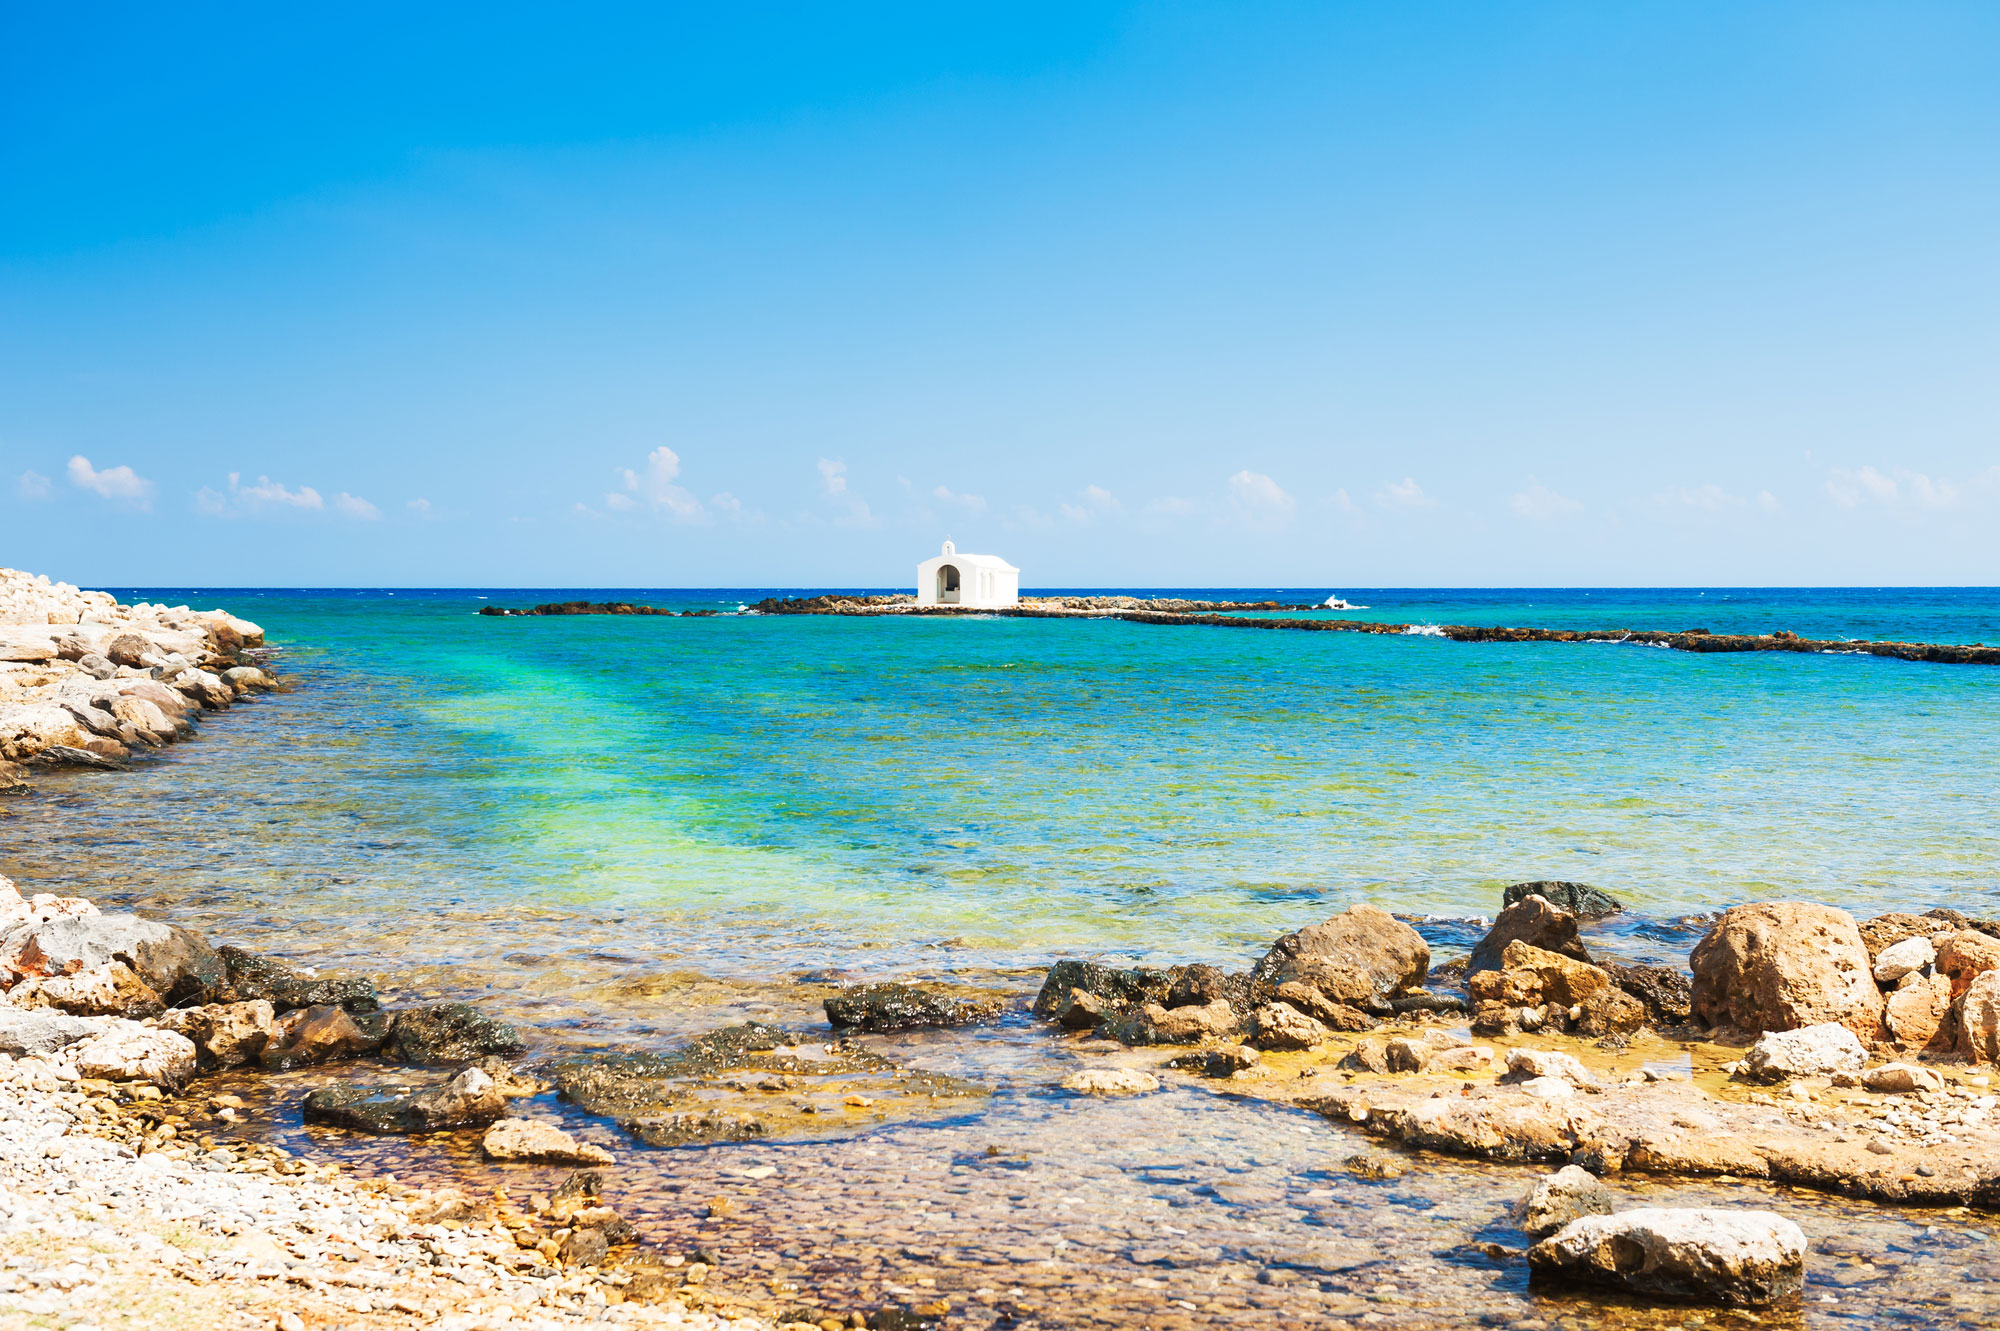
1224	1062
251	977
705	1125
175	964
1082	1011
1428	1002
895	1007
1665	991
470	1099
1579	899
1199	985
307	1036
448	1033
1361	957
585	1247
1376	1166
583	1183
1535	921
1119	988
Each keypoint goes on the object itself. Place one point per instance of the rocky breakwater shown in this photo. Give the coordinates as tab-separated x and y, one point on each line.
86	681
122	1192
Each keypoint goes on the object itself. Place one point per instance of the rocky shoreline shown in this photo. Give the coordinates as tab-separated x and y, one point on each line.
86	682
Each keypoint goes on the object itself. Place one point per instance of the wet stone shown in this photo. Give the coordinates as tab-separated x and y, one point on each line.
249	977
894	1006
448	1033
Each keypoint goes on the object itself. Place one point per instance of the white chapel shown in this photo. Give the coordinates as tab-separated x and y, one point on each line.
979	582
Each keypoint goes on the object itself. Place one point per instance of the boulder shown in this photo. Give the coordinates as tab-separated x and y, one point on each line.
1534	921
1895	961
312	1035
1533	975
1664	991
1404	1054
171	702
449	1033
1282	1026
225	1035
145	716
1608	1012
1886	931
205	687
1525	1065
1979	1019
1081	1011
1361	957
1117	989
111	990
1334	1016
1919	1010
1748	1259
1810	1051
894	1006
532	1141
584	1247
1783	965
1902	1078
131	1052
23	1034
471	1099
1154	1024
1965	955
1579	899
1111	1081
176	964
1198	985
245	678
128	649
1570	1193
250	977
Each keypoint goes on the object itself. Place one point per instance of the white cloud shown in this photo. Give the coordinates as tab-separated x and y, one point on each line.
1404	494
833	479
1767	501
970	503
1710	498
656	488
1258	497
265	496
273	494
1345	504
111	483
420	507
1538	503
1852	488
32	485
1096	502
354	506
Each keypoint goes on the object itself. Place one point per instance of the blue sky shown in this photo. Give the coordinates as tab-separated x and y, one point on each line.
1177	294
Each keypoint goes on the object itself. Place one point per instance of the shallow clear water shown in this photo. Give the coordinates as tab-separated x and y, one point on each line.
625	829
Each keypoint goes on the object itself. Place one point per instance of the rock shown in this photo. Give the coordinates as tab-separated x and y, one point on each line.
1404	1054
1282	1026
1918	1013
1368	1056
1359	957
1608	1012
1895	961
225	1035
175	964
894	1006
1568	1194
1197	986
1664	990
1530	1064
1901	1078
24	1034
1783	965
1896	927
250	977
449	1033
205	687
144	715
1333	1016
1471	1058
111	990
128	649
1965	955
245	678
584	1247
1532	920
1548	1088
1579	899
1532	975
1375	1166
1081	1011
1229	1061
1111	1081
1745	1259
1425	1001
1119	989
130	1052
533	1141
1811	1051
1153	1024
1979	1019
97	667
471	1099
172	703
308	1036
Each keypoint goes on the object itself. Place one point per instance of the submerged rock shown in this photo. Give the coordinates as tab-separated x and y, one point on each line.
1111	1081
1742	1258
532	1141
470	1099
1783	965
1362	957
322	1034
894	1006
1568	1194
1579	899
448	1033
1533	920
251	977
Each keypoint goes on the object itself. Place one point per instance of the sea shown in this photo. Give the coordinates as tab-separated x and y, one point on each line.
621	831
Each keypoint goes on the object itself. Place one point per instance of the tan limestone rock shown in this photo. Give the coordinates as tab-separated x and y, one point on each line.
1979	1019
1381	956
1965	955
1919	1009
1782	965
533	1141
313	1035
110	990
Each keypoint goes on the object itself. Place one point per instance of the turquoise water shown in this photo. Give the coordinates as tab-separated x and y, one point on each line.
756	793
